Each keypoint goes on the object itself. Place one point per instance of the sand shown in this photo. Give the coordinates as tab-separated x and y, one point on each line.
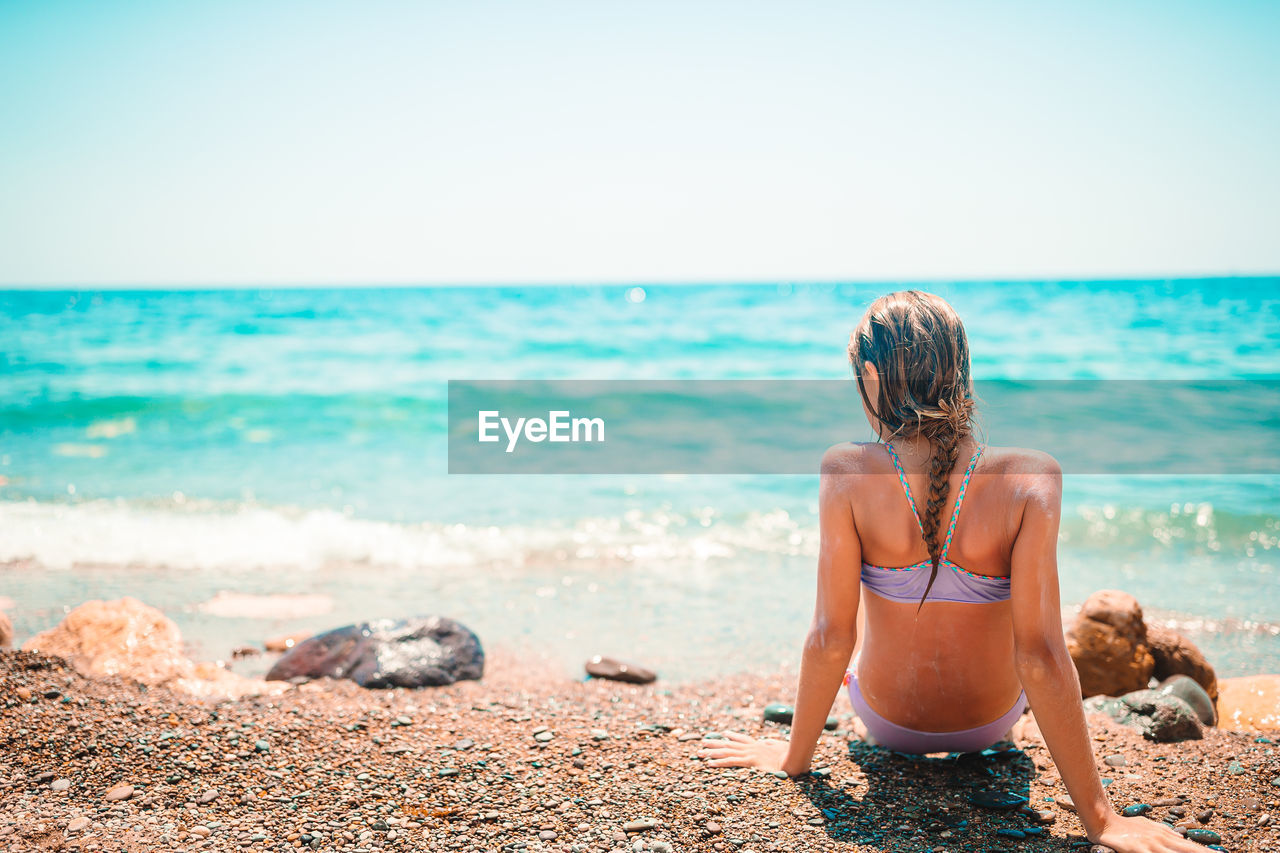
529	761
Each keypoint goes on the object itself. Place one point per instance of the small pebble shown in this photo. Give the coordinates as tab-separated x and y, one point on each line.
1116	761
643	824
997	800
60	784
120	792
1204	836
78	824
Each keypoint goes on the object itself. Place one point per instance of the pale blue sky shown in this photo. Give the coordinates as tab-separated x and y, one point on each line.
636	141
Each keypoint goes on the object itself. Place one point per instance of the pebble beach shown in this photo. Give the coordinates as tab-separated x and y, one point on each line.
532	761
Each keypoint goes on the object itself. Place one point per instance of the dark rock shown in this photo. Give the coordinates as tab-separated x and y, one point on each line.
616	670
997	800
779	713
418	652
1205	815
1161	717
1136	810
1204	836
1108	644
1011	833
1189	691
1176	655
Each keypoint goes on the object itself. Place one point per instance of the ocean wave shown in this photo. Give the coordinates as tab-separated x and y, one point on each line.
186	534
197	535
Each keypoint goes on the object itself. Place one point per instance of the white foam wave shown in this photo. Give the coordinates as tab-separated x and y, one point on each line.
193	536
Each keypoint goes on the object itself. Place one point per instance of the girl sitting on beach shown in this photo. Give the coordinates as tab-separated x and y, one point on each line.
961	624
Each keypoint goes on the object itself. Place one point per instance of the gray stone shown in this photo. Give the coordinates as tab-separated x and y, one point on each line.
419	652
1188	690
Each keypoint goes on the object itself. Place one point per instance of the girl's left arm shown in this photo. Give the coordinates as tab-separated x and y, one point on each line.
831	637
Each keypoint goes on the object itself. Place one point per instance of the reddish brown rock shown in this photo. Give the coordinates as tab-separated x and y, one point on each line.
6	632
1108	644
122	637
286	641
616	670
1176	655
131	639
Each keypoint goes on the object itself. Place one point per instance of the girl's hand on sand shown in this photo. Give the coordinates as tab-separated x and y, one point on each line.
1139	835
739	750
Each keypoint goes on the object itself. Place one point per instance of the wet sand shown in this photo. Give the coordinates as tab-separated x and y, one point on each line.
527	760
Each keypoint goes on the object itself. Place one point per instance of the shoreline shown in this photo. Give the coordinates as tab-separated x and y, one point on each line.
523	760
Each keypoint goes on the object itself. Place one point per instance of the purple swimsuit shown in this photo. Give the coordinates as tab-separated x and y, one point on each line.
952	584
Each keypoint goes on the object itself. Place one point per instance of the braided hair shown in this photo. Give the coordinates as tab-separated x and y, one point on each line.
918	346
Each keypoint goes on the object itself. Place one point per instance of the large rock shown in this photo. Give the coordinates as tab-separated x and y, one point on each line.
6	632
1176	655
1250	704
1159	716
133	640
1108	643
123	637
420	652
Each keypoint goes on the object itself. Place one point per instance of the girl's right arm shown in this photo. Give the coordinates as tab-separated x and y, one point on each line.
1048	674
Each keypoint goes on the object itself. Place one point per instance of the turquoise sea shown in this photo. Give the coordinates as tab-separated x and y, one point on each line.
257	461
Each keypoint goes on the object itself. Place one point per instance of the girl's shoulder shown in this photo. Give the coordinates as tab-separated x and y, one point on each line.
1019	461
855	457
869	457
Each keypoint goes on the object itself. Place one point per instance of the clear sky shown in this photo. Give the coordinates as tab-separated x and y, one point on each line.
260	142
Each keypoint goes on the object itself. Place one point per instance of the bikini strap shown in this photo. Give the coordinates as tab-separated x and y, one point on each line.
902	478
964	484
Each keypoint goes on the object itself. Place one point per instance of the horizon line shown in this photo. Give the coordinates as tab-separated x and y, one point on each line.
615	282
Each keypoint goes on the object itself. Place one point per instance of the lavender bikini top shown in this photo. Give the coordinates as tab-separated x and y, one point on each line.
908	583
